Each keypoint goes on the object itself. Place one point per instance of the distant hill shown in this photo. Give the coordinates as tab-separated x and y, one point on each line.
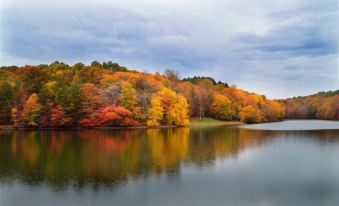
323	105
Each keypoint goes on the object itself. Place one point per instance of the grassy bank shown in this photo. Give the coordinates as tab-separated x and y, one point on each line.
196	122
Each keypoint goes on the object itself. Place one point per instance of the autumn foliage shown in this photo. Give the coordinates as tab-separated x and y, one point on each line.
110	116
168	108
30	112
59	95
324	105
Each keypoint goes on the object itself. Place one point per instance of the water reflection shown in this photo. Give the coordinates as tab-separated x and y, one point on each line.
105	158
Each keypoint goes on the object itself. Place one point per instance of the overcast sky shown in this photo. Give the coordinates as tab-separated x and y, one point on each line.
280	48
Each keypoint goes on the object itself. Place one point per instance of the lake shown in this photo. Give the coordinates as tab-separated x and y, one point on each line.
174	166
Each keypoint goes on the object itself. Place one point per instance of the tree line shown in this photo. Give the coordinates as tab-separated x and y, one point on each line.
107	94
323	105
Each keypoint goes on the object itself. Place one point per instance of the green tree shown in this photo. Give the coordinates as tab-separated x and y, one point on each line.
6	101
70	98
95	64
74	101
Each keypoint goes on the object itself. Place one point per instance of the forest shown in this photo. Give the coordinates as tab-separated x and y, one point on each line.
107	94
323	105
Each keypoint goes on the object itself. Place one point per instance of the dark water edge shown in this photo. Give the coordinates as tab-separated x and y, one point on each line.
223	123
170	166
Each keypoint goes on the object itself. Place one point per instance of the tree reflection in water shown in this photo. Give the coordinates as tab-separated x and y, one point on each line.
105	158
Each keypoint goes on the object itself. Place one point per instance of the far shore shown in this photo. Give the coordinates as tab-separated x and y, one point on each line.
194	122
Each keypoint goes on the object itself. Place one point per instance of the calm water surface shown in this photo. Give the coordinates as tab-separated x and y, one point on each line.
208	166
295	125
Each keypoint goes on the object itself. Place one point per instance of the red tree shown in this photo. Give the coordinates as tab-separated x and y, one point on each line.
110	116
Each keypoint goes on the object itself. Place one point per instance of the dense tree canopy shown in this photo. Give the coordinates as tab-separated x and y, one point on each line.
324	105
107	94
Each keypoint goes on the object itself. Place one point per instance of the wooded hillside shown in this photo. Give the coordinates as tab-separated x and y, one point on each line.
108	94
323	105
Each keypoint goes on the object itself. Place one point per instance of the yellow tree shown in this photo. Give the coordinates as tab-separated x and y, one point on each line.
128	98
250	114
222	107
179	112
168	99
168	107
31	109
155	112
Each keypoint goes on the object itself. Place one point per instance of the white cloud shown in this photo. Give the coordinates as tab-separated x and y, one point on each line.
269	47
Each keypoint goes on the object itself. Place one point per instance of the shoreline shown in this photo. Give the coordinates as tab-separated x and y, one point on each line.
195	122
205	122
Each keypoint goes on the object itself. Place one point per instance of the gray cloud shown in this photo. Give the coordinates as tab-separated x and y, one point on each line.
280	48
